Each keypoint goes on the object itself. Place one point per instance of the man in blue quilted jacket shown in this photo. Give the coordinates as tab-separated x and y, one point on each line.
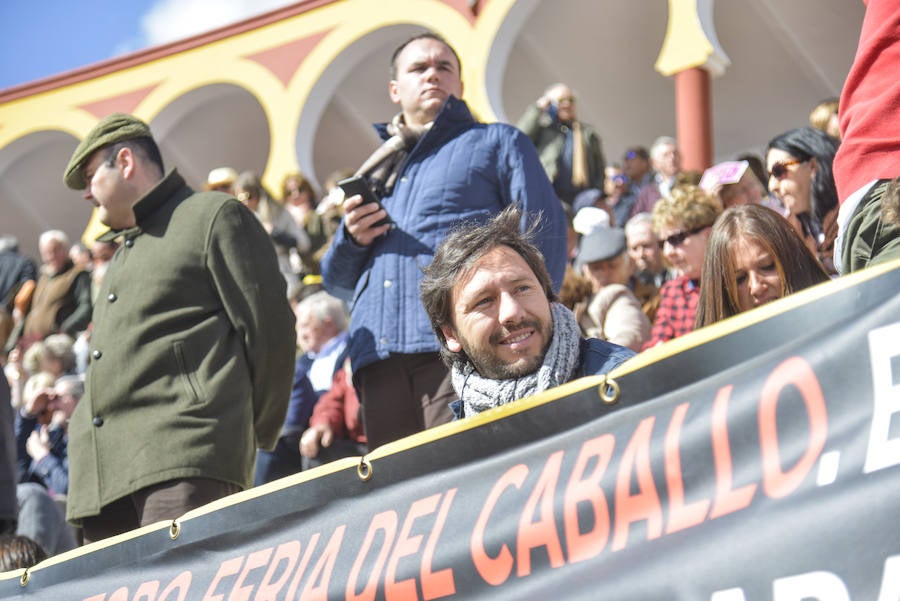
438	167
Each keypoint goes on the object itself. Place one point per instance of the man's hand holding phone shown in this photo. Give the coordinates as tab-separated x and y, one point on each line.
364	217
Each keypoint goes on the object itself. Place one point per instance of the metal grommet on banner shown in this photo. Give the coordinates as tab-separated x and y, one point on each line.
24	579
609	391
174	530
364	469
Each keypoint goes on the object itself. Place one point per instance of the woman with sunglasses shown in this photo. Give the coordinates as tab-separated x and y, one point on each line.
619	196
301	202
682	222
753	257
799	163
286	236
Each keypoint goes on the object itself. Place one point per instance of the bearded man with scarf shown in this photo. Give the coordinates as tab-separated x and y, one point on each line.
501	329
436	168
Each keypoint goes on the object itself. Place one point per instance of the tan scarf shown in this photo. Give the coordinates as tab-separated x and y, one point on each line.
383	166
579	158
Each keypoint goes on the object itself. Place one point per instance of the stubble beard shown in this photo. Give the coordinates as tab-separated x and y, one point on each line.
490	365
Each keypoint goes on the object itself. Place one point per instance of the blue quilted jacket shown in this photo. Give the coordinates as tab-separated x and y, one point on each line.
460	170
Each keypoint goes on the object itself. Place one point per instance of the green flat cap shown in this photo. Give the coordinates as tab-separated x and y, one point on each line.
116	127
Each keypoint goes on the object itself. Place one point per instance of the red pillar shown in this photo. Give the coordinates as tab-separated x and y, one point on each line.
693	118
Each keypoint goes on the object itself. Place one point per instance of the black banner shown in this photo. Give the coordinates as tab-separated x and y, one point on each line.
754	460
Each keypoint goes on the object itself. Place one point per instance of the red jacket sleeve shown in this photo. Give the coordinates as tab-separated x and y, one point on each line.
339	409
870	103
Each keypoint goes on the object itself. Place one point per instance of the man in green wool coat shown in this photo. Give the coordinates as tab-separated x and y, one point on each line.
192	350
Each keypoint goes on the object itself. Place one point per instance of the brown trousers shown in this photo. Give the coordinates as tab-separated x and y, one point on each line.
402	395
156	503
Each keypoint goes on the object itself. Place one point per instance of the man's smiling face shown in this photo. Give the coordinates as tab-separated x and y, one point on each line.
501	316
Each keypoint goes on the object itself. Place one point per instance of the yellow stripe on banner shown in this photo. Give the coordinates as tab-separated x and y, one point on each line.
100	544
270	487
486	417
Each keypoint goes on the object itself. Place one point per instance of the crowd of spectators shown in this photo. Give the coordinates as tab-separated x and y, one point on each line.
653	253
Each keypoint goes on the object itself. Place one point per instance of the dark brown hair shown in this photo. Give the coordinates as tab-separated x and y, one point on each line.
17	551
303	185
427	35
805	143
458	253
798	267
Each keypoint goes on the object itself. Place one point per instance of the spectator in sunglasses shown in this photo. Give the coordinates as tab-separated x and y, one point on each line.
287	237
799	164
682	222
636	166
753	257
618	195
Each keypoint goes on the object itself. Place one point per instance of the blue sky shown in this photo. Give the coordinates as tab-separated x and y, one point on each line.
44	38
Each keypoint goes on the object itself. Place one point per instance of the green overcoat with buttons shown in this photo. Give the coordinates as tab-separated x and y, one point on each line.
192	351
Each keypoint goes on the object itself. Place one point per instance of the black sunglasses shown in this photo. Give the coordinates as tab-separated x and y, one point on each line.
779	170
678	238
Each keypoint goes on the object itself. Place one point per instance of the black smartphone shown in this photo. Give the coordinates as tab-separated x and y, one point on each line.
357	185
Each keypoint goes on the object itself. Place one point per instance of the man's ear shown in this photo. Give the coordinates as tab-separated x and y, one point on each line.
392	92
452	341
127	160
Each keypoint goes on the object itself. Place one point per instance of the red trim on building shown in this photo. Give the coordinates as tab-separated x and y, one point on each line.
157	52
283	61
123	103
467	9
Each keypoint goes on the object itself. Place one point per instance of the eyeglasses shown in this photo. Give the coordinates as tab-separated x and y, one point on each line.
780	169
109	161
678	238
566	99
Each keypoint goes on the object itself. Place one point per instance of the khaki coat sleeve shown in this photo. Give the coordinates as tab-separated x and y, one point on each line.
244	268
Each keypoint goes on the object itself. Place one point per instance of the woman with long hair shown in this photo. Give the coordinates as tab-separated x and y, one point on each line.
287	237
799	163
753	256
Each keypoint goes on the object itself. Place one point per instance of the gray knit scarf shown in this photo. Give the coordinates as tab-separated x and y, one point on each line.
382	167
478	393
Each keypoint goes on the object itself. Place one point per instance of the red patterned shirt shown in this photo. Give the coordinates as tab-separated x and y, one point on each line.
677	308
